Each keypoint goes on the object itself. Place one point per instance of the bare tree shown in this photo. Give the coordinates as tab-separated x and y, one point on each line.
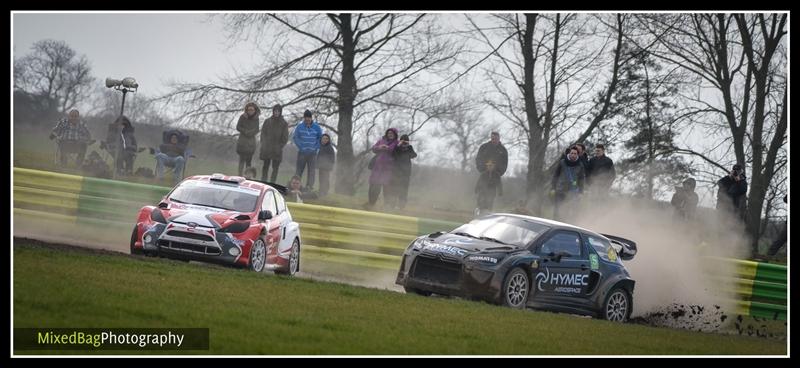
54	72
556	50
742	58
335	64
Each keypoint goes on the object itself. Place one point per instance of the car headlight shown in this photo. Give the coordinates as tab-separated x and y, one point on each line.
157	216
234	251
147	238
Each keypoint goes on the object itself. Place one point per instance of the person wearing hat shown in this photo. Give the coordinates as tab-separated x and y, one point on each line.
401	175
732	189
274	136
248	128
326	159
685	200
307	136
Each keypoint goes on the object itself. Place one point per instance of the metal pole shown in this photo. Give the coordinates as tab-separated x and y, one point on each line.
122	109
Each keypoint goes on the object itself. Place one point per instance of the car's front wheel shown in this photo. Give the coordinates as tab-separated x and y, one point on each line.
133	241
617	307
410	290
258	255
516	288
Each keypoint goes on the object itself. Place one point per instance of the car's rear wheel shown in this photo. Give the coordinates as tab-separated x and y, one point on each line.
617	307
515	288
133	241
258	255
410	290
294	260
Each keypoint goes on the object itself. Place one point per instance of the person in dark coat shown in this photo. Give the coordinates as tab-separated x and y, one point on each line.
780	241
685	200
274	136
401	175
296	192
583	156
490	151
326	159
487	187
248	129
732	192
125	145
600	172
568	182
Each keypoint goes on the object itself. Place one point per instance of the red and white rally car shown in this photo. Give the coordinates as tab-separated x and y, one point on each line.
221	219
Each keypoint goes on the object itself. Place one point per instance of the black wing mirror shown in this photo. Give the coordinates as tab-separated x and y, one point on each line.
264	215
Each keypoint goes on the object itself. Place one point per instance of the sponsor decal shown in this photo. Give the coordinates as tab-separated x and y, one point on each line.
563	282
482	259
441	248
612	254
535	263
593	259
459	241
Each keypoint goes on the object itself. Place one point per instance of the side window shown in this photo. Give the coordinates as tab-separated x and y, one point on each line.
566	242
281	203
269	203
602	247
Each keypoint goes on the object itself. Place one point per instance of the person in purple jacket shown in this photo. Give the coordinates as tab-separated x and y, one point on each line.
382	167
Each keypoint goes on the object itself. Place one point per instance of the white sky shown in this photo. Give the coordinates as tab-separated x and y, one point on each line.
153	48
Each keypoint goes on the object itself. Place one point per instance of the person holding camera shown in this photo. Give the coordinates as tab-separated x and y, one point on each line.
401	177
731	192
72	137
685	200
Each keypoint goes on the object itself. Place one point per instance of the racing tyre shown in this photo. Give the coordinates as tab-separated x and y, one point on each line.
410	290
294	260
133	240
618	306
258	256
516	288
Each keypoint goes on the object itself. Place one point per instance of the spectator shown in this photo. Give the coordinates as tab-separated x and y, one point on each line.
492	151
685	200
583	156
307	136
250	173
248	128
125	145
600	172
72	136
297	193
487	187
326	159
401	175
274	136
780	241
171	154
732	191
568	181
382	167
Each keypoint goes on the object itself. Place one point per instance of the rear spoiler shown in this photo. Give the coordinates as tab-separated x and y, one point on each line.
627	248
282	189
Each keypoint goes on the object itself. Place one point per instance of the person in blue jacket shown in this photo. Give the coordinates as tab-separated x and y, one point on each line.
306	137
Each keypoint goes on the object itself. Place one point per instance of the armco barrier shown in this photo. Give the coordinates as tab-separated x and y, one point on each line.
333	234
325	227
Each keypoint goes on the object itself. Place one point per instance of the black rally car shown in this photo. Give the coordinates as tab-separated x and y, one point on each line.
521	261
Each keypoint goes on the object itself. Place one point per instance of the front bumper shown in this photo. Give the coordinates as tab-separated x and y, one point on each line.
449	276
195	243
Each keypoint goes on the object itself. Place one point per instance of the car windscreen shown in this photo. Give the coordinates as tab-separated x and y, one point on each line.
509	230
216	195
